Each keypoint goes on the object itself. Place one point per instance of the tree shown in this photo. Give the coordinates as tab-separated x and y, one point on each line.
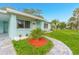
76	15
72	23
76	12
62	25
35	12
55	24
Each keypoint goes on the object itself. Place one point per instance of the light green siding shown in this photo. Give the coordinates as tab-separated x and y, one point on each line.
23	32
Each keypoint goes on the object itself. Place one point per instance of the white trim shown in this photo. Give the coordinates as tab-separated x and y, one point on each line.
21	13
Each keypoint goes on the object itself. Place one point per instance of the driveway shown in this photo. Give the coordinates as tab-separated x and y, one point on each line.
6	47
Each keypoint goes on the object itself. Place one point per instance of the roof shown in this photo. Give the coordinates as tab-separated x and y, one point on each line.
9	10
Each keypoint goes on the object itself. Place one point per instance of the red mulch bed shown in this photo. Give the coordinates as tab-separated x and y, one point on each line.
38	42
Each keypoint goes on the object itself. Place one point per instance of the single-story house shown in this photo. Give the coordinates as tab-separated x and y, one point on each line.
14	24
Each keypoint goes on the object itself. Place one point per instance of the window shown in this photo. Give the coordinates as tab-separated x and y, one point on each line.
23	24
20	23
45	25
27	24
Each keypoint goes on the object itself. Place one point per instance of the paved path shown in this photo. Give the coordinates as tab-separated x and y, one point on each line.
59	48
6	47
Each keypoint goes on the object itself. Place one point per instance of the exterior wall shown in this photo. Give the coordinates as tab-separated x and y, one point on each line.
1	27
27	31
4	23
33	24
24	31
49	27
42	26
46	29
14	32
39	23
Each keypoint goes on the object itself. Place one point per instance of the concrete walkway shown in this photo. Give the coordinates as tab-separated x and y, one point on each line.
59	48
6	47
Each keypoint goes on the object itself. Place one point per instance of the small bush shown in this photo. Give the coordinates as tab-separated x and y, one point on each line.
37	33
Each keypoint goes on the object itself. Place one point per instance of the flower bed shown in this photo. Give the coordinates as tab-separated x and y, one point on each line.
23	47
38	43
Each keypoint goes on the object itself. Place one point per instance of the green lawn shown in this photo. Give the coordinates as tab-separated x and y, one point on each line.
69	37
23	48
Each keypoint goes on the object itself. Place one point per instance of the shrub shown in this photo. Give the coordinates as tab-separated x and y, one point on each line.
37	33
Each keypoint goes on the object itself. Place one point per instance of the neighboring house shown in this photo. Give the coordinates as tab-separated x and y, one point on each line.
14	23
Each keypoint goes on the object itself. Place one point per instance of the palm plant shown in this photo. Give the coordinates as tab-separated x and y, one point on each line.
37	33
35	12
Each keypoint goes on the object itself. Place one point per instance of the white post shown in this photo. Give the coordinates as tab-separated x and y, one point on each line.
12	26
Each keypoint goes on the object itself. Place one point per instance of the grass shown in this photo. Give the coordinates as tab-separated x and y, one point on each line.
23	48
69	37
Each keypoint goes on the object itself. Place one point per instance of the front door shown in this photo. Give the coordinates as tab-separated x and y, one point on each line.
5	27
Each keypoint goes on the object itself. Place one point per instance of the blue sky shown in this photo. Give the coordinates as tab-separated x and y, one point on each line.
60	11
